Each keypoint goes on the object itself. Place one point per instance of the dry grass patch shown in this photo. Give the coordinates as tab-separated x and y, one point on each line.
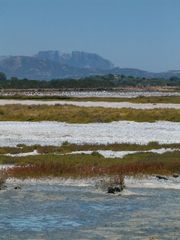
75	114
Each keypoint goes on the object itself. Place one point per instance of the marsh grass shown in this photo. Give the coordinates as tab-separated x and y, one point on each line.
83	165
67	147
76	114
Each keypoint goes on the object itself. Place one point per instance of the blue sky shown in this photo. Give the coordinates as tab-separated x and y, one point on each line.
141	34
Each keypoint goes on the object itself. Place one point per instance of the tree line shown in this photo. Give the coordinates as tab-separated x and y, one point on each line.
107	81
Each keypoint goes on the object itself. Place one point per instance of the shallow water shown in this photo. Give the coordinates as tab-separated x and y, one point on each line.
42	211
55	133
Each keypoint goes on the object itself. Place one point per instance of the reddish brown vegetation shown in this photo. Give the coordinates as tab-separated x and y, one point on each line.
60	170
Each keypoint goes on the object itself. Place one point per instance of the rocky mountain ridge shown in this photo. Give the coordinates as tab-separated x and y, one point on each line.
47	65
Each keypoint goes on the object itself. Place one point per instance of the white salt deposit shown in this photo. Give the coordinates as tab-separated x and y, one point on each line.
121	154
55	133
33	153
94	104
130	182
6	166
153	182
55	180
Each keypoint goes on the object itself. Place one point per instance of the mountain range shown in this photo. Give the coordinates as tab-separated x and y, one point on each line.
47	65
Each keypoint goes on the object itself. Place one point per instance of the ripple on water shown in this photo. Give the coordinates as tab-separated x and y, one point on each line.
55	210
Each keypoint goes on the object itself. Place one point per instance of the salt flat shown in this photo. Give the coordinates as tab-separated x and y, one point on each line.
90	93
55	133
93	104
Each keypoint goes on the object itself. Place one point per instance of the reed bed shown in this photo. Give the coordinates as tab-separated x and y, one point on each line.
83	165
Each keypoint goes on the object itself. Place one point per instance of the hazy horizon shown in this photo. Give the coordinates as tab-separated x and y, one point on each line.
141	34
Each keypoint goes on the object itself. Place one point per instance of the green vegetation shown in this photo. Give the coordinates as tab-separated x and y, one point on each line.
68	148
75	114
82	165
107	81
53	163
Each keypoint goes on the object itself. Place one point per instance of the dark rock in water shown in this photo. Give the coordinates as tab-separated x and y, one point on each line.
161	177
111	190
117	189
175	175
112	185
17	188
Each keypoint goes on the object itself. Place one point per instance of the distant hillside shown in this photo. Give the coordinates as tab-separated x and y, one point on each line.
77	59
40	69
47	65
132	72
